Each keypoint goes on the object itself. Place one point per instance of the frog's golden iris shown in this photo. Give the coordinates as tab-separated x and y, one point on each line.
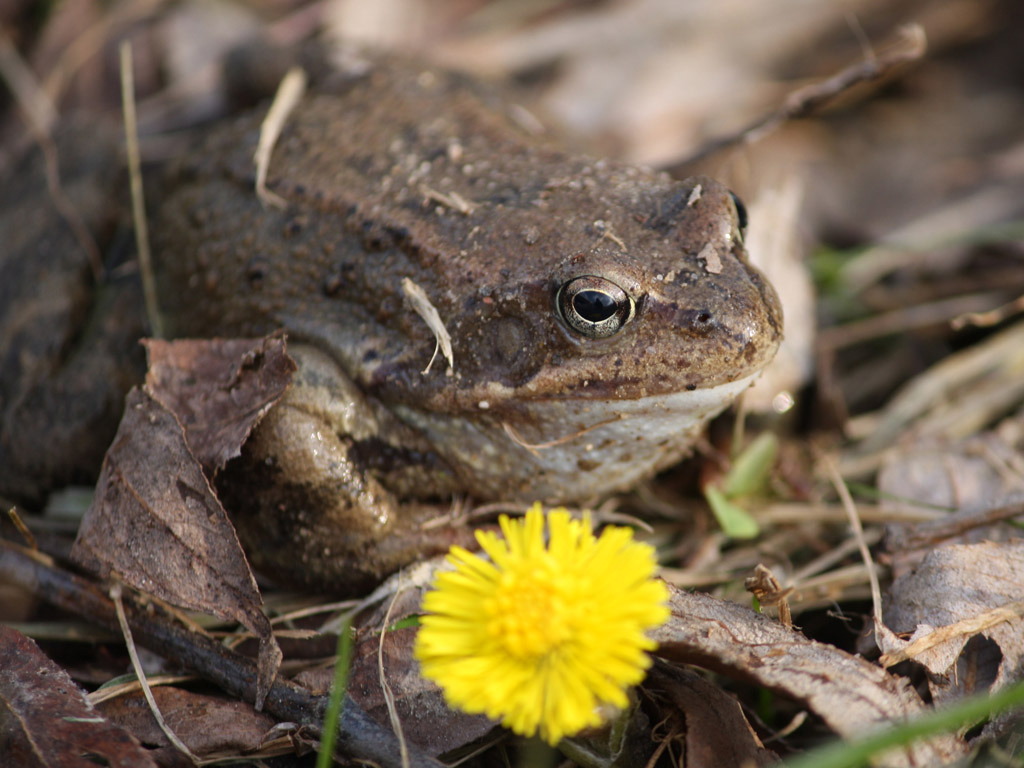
594	307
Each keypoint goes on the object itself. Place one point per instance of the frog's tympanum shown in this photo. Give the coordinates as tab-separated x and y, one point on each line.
599	314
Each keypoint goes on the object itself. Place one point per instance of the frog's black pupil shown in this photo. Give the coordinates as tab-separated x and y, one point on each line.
594	306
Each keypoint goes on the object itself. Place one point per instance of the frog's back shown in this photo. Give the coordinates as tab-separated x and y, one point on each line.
369	170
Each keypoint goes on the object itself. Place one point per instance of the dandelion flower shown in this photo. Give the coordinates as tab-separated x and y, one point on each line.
541	636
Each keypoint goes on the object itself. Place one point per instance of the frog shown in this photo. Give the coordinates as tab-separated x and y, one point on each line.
593	315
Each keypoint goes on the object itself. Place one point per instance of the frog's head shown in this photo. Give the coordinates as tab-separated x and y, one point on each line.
656	297
611	340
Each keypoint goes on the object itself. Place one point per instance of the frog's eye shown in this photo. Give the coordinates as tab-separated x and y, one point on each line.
594	307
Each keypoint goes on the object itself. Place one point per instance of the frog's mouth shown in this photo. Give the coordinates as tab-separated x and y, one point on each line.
571	449
552	423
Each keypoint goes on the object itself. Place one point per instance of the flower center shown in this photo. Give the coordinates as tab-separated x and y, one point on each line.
531	616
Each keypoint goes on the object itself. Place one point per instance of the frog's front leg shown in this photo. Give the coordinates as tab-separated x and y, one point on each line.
313	494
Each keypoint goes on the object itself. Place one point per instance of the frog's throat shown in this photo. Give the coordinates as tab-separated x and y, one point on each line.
574	450
652	419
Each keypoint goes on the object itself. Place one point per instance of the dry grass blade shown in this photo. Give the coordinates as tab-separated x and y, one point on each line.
37	106
966	627
993	317
389	695
288	95
996	359
950	526
131	133
115	596
26	533
858	532
421	304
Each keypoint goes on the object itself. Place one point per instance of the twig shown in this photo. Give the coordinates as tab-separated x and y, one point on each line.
903	320
803	101
23	529
990	318
155	629
929	534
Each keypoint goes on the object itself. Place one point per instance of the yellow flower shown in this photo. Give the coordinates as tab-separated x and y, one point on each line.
540	637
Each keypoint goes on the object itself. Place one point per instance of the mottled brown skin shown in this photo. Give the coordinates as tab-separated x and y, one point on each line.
68	341
405	172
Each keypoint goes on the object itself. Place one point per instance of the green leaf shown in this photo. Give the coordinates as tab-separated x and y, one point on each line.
735	521
408	621
752	467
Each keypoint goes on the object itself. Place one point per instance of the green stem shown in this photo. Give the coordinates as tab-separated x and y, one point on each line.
341	667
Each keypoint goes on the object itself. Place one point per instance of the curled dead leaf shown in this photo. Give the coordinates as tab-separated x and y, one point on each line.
156	523
218	389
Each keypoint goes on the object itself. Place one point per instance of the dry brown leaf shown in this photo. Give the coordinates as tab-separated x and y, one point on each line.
209	725
850	694
46	720
953	475
426	720
706	722
980	480
218	389
954	584
156	522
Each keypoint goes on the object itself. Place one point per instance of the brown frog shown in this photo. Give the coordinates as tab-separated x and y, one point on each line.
598	314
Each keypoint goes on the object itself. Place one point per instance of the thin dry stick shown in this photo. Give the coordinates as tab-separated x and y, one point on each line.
930	533
115	595
803	101
38	108
990	318
138	200
858	532
662	746
108	692
389	696
116	19
798	719
26	533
